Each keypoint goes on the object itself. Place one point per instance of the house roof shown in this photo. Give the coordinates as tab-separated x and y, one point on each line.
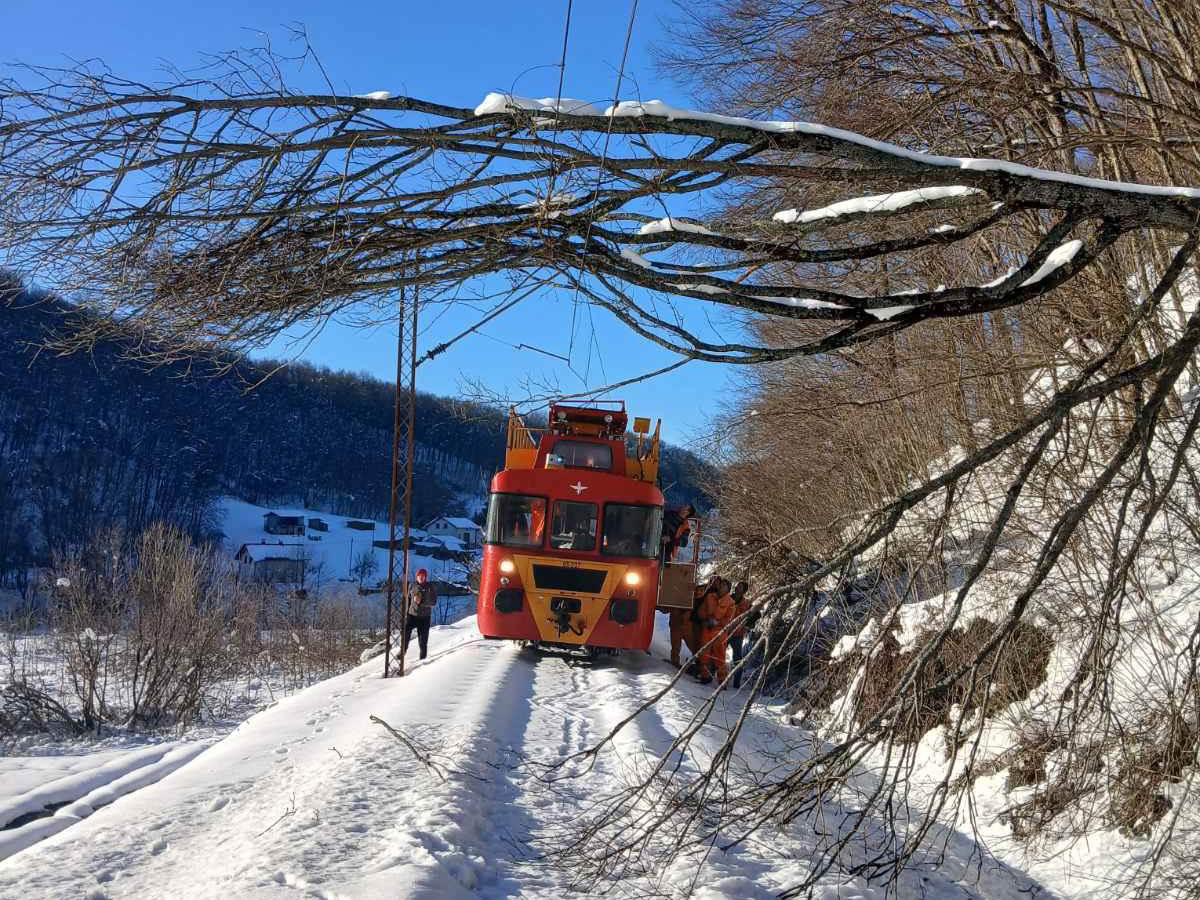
456	522
260	552
286	517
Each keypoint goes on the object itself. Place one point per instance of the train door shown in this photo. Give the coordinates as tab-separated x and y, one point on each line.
678	577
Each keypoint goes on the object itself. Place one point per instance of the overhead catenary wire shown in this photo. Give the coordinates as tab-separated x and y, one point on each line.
600	172
501	341
495	312
562	73
508	304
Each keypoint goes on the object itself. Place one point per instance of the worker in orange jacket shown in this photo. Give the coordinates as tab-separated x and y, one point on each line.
737	640
683	630
676	530
715	614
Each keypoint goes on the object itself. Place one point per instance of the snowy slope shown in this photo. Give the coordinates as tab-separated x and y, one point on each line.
1086	868
1078	843
310	796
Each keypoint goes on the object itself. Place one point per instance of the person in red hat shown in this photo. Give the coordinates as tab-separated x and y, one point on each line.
422	598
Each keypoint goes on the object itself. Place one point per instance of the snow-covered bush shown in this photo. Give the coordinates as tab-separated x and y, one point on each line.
157	632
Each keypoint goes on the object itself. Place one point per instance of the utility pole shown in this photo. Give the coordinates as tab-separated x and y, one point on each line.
403	438
410	461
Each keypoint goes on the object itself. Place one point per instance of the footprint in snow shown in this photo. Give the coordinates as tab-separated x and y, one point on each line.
158	846
219	803
282	751
357	829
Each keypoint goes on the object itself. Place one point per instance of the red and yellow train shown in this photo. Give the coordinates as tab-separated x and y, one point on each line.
572	540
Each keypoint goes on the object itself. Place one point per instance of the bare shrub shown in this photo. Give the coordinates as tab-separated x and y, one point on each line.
173	647
89	604
1032	817
866	678
335	642
1026	762
1158	756
25	709
158	632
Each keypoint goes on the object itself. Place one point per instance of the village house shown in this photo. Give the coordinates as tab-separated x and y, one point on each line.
271	563
273	523
437	548
461	529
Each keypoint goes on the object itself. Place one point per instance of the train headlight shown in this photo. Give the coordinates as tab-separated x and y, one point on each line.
507	567
633	579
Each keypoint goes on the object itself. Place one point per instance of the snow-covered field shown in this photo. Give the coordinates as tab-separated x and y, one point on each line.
80	773
331	554
311	798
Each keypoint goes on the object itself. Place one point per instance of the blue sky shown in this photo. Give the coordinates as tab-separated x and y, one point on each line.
452	51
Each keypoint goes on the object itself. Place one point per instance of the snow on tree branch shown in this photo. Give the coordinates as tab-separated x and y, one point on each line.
229	208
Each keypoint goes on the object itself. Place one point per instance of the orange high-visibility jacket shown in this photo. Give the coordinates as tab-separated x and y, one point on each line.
740	608
682	630
715	612
675	532
684	528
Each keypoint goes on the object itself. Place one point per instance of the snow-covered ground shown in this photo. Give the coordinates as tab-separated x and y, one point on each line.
83	772
311	798
1086	863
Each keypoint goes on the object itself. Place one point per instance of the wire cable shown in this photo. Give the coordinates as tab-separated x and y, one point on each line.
562	73
603	161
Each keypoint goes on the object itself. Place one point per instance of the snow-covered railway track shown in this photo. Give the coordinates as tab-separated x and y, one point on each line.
57	805
312	799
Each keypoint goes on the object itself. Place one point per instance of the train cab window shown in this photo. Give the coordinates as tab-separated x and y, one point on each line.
583	455
631	530
574	526
515	520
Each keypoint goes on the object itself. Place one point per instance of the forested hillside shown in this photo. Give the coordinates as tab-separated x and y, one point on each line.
92	439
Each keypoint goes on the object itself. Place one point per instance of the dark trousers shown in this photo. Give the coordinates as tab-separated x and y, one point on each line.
737	644
421	624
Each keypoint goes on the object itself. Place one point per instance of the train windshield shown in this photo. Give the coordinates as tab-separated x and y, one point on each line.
631	530
574	526
583	455
516	520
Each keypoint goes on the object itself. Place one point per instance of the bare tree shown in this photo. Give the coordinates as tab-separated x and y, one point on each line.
227	208
365	565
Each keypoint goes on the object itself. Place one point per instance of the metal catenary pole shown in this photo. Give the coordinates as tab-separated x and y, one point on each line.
410	459
392	502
